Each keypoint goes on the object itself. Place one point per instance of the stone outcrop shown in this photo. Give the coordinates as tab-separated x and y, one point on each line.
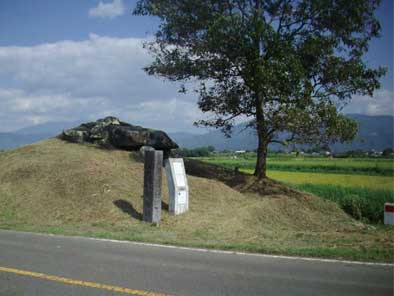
110	132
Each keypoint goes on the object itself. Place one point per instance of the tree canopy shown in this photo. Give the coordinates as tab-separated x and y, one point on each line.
288	67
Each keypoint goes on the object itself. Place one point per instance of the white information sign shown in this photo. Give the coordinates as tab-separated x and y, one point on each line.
182	197
179	172
180	180
177	186
178	168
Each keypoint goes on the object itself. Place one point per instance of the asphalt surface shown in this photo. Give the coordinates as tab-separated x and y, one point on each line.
173	271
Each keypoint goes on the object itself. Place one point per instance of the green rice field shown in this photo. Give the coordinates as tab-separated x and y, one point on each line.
360	186
364	166
345	180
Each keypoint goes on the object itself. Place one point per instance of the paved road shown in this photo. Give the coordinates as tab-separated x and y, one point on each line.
25	257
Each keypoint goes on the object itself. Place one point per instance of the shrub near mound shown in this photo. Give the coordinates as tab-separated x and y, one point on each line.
74	189
360	203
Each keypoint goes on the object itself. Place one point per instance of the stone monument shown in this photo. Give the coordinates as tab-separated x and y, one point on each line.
152	185
112	133
178	199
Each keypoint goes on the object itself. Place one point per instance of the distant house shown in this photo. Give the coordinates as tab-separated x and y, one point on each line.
240	151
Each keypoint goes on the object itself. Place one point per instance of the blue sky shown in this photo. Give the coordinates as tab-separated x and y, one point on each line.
81	59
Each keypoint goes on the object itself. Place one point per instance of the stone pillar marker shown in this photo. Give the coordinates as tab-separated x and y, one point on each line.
152	186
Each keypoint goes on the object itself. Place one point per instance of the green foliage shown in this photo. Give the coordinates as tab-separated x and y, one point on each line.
360	203
317	149
388	152
351	153
285	65
194	152
211	148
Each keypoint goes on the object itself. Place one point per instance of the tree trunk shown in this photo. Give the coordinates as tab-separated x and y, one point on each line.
262	150
261	164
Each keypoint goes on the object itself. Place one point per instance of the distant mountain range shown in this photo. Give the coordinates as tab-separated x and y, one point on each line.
33	134
375	132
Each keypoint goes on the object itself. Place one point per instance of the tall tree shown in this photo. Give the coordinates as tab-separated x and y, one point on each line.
286	66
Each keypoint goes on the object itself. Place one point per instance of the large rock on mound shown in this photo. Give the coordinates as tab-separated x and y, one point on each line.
110	132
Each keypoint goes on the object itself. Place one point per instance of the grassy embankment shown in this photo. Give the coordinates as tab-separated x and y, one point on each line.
72	189
359	185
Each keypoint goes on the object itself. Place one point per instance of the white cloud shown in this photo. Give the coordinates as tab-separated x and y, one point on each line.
100	76
381	103
19	108
108	10
172	113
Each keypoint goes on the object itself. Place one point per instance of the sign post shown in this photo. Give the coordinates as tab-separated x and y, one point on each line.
178	188
389	213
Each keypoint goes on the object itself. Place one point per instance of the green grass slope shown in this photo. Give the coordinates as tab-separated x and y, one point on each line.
73	189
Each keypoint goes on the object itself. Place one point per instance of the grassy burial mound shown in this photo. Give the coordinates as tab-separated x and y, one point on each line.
80	189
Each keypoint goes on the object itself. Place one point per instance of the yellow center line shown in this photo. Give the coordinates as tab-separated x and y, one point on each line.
80	283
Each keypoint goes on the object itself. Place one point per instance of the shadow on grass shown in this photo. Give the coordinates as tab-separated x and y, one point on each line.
237	180
135	156
164	205
128	208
